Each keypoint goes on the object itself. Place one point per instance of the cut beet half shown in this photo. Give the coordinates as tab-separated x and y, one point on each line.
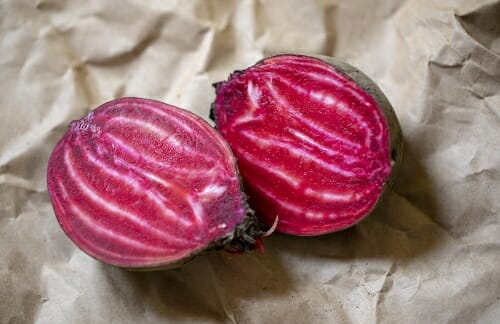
315	139
141	184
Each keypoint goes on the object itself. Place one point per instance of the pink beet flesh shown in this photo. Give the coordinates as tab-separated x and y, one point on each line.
139	183
312	146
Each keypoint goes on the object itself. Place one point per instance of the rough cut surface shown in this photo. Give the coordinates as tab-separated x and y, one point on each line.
138	183
313	146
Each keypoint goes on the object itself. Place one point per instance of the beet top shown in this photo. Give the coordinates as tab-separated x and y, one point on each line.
141	184
315	139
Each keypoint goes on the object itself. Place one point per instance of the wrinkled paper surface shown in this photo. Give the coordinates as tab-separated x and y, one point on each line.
429	254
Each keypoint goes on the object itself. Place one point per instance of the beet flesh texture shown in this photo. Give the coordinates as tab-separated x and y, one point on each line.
315	139
141	184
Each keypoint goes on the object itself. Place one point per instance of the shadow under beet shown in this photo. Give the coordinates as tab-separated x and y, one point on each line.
403	226
201	290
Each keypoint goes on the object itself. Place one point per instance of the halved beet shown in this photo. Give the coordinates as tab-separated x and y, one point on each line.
141	184
315	139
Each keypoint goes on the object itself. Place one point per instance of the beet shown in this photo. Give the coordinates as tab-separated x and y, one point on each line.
141	184
316	141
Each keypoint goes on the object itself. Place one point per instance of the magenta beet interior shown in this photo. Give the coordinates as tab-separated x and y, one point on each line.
139	183
312	146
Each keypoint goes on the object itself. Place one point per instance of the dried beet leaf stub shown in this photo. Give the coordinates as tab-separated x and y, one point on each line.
143	185
316	141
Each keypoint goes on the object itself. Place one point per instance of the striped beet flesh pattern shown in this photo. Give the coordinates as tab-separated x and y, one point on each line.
313	145
139	184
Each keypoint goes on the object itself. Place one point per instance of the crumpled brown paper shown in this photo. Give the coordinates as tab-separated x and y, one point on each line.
430	253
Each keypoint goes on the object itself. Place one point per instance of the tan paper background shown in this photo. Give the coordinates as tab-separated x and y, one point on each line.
431	252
